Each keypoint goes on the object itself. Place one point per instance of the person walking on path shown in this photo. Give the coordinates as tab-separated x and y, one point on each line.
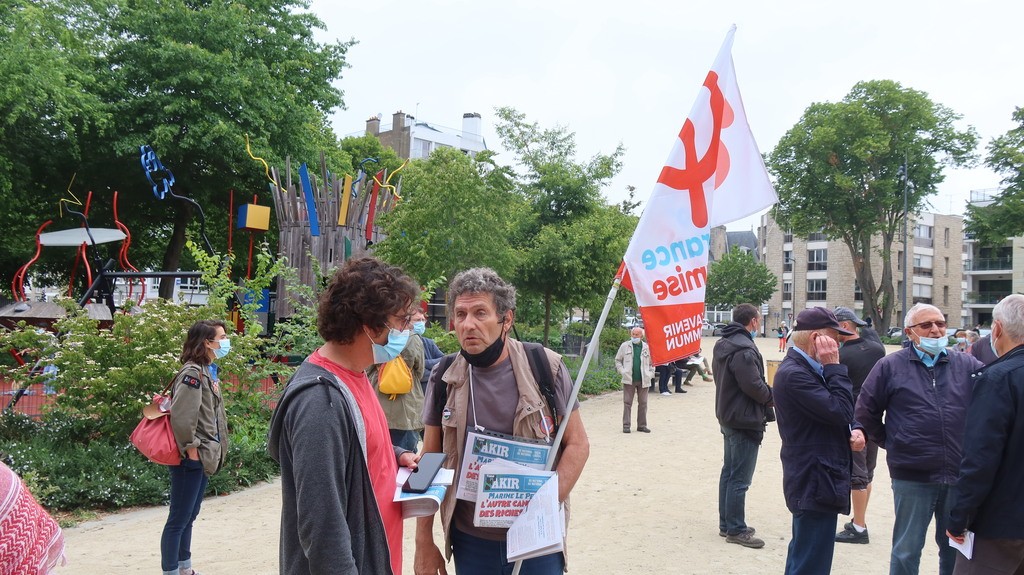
633	362
742	400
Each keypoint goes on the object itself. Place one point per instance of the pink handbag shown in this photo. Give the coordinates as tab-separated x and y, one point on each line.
154	436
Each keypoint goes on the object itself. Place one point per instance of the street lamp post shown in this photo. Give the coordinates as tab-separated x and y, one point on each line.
904	175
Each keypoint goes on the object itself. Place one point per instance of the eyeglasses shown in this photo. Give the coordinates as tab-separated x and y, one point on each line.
405	322
929	324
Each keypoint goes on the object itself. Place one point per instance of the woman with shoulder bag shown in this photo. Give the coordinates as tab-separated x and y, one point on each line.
201	431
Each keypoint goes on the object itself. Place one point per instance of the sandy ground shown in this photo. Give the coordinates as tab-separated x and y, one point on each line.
646	503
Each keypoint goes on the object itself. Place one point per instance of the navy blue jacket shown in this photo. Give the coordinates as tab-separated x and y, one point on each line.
815	416
924	411
431	356
989	494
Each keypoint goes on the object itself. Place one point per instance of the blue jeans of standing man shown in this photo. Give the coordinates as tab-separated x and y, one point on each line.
188	482
813	543
916	503
737	472
478	556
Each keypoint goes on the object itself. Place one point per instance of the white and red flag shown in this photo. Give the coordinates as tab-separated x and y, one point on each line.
714	175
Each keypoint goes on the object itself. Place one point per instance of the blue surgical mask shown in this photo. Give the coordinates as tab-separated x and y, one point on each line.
418	327
225	347
635	340
933	345
992	344
753	333
394	346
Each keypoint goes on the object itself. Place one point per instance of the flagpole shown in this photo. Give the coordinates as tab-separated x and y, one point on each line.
594	344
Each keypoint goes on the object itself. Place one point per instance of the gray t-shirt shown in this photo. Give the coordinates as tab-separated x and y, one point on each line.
494	394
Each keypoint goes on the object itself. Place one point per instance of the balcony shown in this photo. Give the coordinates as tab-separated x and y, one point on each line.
984	297
924	242
923	272
989	264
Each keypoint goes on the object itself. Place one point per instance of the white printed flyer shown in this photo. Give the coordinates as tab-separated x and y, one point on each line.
505	490
483	448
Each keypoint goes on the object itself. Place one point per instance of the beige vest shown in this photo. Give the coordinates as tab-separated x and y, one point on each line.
532	407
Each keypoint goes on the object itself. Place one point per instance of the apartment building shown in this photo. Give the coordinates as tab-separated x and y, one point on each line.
411	139
991	272
817	272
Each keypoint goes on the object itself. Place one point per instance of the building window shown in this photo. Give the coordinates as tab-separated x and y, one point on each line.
922	265
922	293
858	295
945	295
945	238
787	291
817	290
947	268
421	148
817	260
923	236
817	237
191	284
899	261
787	237
787	261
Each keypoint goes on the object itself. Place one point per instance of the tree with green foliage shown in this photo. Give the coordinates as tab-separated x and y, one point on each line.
838	172
456	212
738	278
559	264
49	112
1004	217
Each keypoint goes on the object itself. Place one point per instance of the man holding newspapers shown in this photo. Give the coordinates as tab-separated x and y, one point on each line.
498	399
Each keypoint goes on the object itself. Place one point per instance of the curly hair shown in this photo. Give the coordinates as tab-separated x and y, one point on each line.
364	291
194	348
483	280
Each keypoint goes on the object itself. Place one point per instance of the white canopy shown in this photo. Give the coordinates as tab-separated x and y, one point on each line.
77	236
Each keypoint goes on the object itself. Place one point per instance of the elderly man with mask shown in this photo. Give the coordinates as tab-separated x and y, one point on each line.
633	362
989	494
914	404
814	405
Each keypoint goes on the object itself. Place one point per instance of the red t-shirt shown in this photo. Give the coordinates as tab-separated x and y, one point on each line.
380	454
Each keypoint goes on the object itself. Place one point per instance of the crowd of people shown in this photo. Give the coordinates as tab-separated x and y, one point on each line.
378	394
950	423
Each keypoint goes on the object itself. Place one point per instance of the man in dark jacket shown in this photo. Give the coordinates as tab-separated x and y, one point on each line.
989	494
814	403
922	391
859	355
742	398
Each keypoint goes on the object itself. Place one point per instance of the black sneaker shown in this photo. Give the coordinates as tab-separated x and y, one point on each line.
745	539
851	535
722	533
625	429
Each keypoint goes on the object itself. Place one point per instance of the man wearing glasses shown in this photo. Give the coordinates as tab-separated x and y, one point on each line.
923	391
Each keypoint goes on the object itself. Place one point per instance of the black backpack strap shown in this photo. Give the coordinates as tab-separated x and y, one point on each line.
541	368
443	366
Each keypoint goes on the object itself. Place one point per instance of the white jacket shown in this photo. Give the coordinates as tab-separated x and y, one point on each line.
624	363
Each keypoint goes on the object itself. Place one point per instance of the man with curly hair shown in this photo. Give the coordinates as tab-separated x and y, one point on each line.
330	435
490	385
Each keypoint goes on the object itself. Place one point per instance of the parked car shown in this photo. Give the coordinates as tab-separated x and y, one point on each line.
716	328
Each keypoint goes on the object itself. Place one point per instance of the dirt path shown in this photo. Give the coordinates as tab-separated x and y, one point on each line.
646	504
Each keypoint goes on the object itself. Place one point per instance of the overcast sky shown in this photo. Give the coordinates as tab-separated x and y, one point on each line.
628	72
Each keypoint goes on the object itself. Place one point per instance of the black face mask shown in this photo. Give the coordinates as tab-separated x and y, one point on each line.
487	357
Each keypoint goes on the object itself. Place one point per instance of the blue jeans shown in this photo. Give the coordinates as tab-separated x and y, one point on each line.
407	439
478	556
916	504
813	543
188	482
666	371
737	472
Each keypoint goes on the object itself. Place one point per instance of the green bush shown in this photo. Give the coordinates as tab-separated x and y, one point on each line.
108	473
601	376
